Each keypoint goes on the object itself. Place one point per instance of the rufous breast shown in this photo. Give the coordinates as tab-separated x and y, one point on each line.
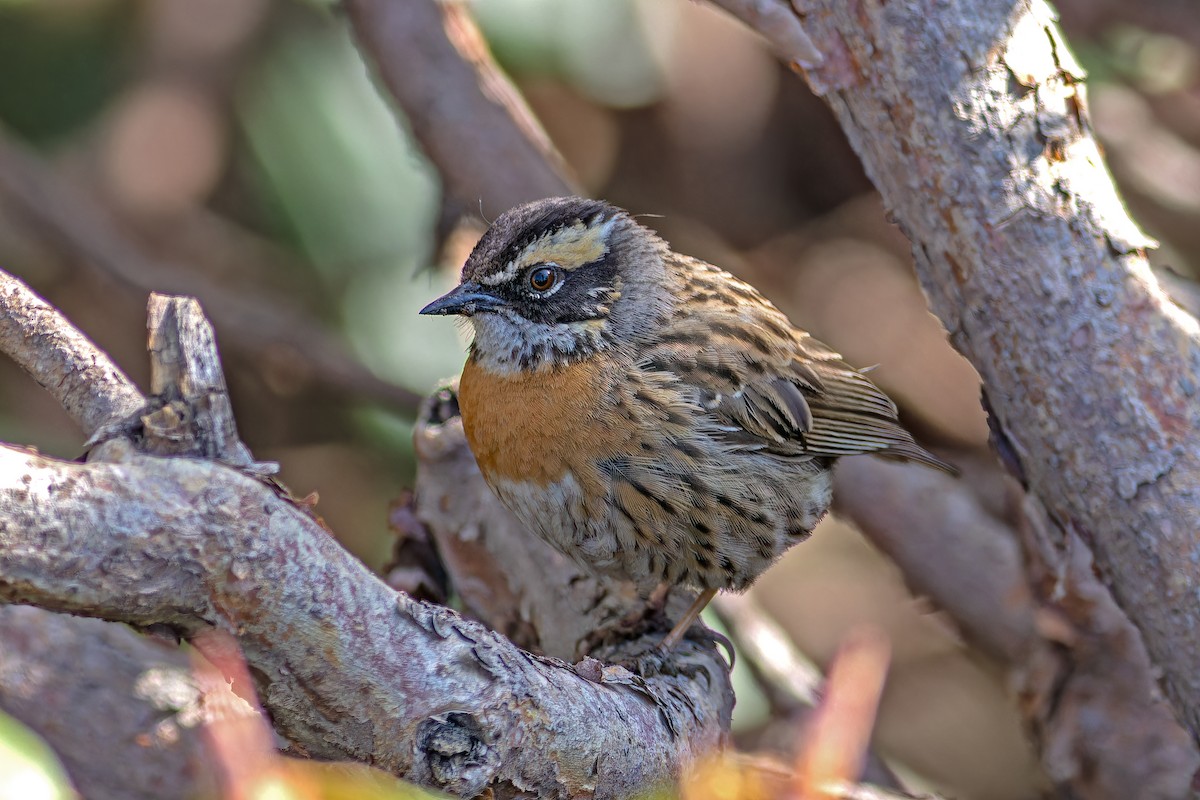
538	425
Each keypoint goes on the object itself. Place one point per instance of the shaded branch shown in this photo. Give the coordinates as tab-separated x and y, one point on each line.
74	224
947	545
472	124
1086	685
100	695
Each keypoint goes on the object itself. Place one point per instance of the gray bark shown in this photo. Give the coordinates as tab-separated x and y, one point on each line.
971	119
347	667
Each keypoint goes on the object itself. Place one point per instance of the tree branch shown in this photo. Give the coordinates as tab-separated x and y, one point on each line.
472	124
1028	257
780	26
947	545
91	388
1086	685
347	667
100	695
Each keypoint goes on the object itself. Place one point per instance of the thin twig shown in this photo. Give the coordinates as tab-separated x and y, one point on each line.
80	376
779	23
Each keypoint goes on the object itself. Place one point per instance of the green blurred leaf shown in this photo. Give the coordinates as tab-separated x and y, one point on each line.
613	51
29	770
356	193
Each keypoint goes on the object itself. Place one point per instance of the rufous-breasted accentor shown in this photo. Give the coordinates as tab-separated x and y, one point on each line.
646	413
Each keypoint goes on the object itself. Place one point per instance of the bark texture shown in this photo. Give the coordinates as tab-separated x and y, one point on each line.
89	386
347	667
971	119
100	695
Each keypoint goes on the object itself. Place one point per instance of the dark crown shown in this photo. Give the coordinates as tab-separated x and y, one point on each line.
516	228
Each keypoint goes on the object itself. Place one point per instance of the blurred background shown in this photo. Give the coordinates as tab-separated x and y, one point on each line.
239	150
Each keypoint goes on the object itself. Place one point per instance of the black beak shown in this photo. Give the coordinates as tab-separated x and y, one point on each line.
467	299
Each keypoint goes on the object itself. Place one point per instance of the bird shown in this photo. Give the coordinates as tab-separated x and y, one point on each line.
648	414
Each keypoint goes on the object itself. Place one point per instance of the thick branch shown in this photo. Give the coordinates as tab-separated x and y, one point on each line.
100	694
348	668
1088	692
969	119
948	547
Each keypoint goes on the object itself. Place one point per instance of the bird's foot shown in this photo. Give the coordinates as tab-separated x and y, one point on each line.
638	621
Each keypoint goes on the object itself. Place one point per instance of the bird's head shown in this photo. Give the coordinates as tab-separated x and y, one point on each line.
558	280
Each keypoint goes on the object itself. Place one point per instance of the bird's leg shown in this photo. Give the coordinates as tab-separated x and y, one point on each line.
633	623
654	605
691	615
657	600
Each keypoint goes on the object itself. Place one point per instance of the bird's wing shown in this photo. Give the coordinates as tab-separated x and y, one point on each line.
774	387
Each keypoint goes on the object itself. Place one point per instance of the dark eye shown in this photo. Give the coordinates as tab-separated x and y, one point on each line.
542	278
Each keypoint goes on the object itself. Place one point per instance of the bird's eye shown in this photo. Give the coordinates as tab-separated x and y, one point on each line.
542	279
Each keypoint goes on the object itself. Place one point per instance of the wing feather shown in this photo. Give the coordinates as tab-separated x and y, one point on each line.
779	389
